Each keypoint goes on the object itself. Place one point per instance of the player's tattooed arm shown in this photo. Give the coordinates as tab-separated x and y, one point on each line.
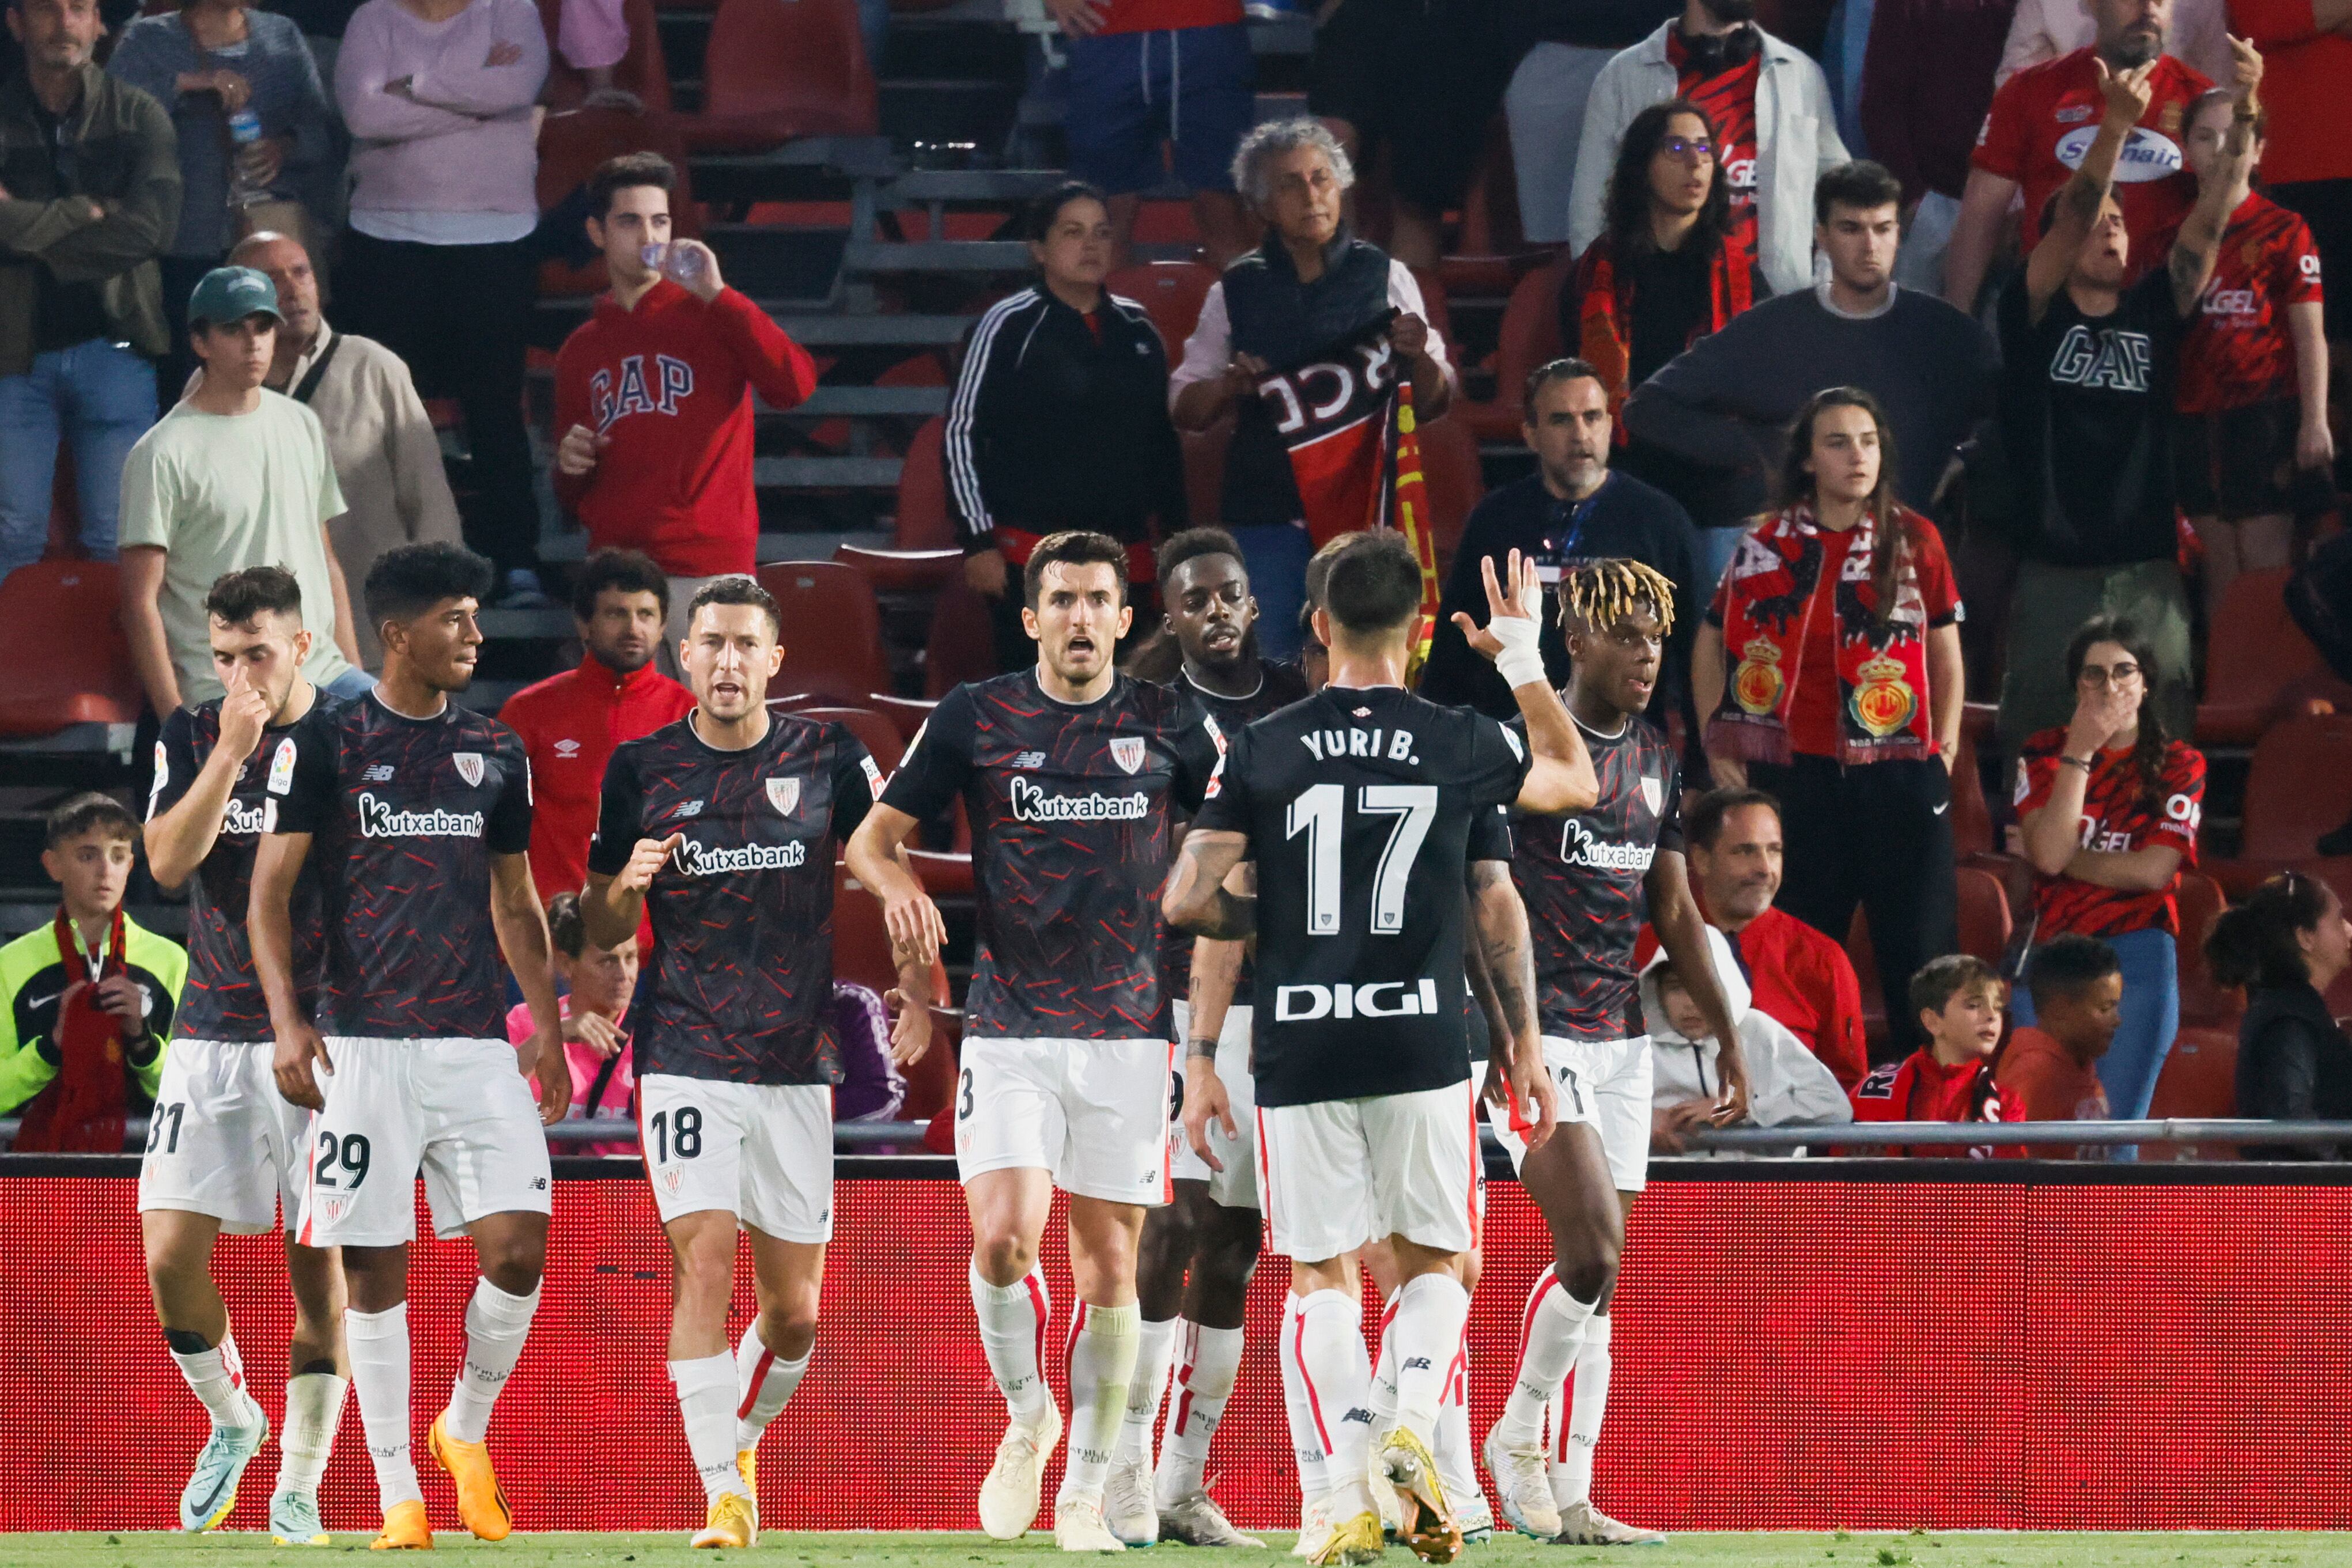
1198	899
877	857
269	922
1681	932
522	928
1499	922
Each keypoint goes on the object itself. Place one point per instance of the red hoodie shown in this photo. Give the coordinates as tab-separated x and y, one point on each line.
1921	1089
669	384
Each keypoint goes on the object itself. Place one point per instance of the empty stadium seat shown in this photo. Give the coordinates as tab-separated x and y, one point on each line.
1450	468
571	146
906	714
641	70
2202	1002
2299	786
1984	915
2200	1080
1971	817
833	632
63	647
1204	472
902	570
2256	652
1172	292
778	69
1529	336
877	735
923	521
963	645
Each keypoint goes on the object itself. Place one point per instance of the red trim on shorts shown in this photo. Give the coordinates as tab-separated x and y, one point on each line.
1313	1400
758	1376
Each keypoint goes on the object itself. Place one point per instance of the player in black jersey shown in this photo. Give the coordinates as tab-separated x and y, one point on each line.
725	823
1209	1230
1072	775
227	1151
1589	879
1357	807
415	812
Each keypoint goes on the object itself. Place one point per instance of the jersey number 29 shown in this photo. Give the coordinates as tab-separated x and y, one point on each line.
1319	812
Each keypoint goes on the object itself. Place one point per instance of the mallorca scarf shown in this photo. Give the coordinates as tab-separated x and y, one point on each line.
82	1109
1771	594
1604	328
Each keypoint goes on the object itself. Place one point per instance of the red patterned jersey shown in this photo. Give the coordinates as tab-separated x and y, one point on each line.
1729	96
2044	120
2118	814
1921	1089
2237	351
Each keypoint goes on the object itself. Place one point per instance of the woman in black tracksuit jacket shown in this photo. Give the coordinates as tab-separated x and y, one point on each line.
1060	418
2286	944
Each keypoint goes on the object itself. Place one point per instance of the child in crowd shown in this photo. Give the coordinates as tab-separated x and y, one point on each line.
598	983
2049	1067
86	1001
1786	1082
1959	1000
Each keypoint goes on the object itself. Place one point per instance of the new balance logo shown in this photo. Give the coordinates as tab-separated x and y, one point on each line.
1030	759
1357	1414
376	772
1381	1000
1418	1364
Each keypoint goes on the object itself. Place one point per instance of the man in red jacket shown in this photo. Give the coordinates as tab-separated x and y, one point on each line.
654	393
571	723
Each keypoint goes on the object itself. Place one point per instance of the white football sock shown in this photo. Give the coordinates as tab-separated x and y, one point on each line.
1102	1367
1580	1432
1332	1360
314	1409
1551	1327
764	1382
1430	1311
378	1343
1383	1371
705	1399
1012	1320
1306	1448
1155	1346
1456	1469
216	1377
496	1325
1202	1390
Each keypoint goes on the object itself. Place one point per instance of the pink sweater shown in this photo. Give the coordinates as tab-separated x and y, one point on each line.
461	139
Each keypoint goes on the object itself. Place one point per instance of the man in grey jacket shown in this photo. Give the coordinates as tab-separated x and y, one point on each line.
1770	105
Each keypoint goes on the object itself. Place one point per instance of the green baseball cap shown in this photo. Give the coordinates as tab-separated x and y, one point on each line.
231	294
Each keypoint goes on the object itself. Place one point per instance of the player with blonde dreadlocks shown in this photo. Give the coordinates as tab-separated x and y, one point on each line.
1589	883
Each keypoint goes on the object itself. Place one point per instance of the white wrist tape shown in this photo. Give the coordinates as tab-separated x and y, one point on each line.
1521	663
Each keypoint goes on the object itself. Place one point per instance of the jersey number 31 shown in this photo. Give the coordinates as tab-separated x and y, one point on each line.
1319	812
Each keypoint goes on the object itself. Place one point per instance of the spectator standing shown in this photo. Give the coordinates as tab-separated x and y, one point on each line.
1311	286
570	722
598	983
1769	106
1799	978
2051	1064
1956	999
1830	662
1573	507
2253	392
2286	944
90	195
2197	31
234	476
1927	82
1059	418
1567	43
2041	123
437	95
592	37
1671	267
2109	807
209	60
653	393
2089	369
1786	1083
1716	417
86	1001
1145	72
386	455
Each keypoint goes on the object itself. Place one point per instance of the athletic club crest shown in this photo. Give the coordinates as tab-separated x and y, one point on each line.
1654	795
469	768
1127	750
672	1178
783	794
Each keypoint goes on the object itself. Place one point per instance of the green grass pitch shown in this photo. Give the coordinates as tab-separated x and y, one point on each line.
787	1550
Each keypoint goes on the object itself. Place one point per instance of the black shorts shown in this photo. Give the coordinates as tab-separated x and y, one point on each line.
1421	76
2327	206
2239	463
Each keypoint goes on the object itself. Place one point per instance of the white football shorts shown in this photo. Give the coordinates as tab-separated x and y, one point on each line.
456	1110
222	1141
1235	1187
763	1151
1095	1112
1604	1083
1339	1173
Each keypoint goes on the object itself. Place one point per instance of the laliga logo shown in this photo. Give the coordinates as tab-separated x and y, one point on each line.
2147	154
1305	1004
1295	391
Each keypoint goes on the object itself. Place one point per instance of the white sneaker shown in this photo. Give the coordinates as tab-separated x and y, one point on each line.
1476	1519
1313	1530
1196	1520
1010	1496
1581	1524
1524	1487
1078	1527
1128	1509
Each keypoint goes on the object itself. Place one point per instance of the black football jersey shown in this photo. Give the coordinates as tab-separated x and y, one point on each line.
1583	880
1072	810
405	815
1359	805
221	999
740	988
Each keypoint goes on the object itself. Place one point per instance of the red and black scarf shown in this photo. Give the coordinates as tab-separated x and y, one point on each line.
1773	592
82	1109
1604	326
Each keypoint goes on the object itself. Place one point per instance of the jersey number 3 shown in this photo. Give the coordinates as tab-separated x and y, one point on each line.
1319	812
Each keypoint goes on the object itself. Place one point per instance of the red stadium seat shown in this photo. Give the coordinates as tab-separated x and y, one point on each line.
945	873
63	647
1450	468
641	70
2256	650
902	570
2202	1002
877	734
963	645
923	521
833	632
1204	472
571	146
906	714
1971	818
1529	337
773	72
1984	915
2199	1082
1170	292
2299	786
1438	313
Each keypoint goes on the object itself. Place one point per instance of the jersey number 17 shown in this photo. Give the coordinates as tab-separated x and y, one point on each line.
1320	811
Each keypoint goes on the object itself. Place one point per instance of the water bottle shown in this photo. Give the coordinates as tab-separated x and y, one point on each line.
680	263
244	134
